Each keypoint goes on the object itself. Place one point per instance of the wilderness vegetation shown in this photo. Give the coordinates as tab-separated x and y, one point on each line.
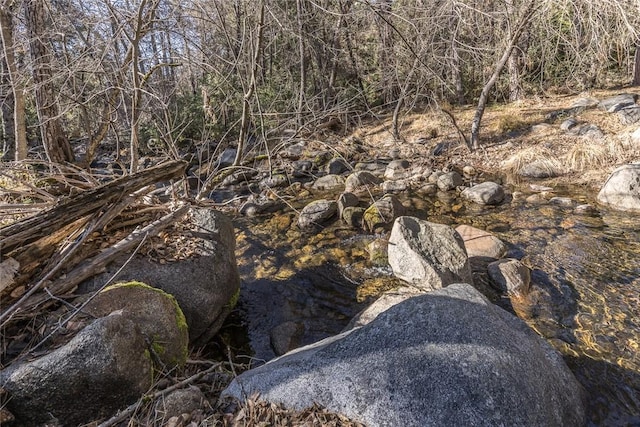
131	77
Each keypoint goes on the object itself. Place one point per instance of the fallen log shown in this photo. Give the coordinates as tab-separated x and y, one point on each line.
71	208
26	306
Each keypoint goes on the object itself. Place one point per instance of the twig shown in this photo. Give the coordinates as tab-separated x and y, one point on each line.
153	396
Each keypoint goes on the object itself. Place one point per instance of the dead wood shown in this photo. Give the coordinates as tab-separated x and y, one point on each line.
70	209
27	305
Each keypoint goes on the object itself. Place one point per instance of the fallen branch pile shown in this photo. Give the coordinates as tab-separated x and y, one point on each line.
44	257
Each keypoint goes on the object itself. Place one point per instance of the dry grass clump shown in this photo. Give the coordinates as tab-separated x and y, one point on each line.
543	157
509	123
254	412
587	155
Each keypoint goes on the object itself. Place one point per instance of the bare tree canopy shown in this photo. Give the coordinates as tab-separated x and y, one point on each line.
170	75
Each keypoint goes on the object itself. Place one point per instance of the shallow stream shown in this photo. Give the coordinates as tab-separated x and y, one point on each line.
585	299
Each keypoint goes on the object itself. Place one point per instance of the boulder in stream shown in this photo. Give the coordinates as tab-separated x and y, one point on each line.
621	191
481	243
449	181
448	357
486	193
427	255
316	213
382	213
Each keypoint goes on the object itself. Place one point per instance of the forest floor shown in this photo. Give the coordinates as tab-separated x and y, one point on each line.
516	133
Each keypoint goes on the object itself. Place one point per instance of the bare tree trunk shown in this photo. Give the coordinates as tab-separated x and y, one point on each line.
636	66
19	115
54	138
522	23
395	129
246	105
514	75
385	51
303	65
8	147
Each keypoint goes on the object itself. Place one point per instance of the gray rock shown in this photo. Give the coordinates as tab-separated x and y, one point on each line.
629	115
337	165
585	103
360	181
206	285
426	254
179	402
448	357
635	136
481	243
316	213
352	216
616	103
486	193
394	186
621	191
274	181
105	367
286	336
346	200
397	169
156	313
382	213
449	181
568	124
510	276
539	169
588	131
328	182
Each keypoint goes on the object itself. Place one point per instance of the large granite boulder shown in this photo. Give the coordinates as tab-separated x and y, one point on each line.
105	367
448	357
206	284
621	191
427	255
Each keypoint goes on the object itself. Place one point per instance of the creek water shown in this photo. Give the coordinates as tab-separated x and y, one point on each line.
585	297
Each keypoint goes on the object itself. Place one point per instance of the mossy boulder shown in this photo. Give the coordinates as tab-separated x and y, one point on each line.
382	213
154	311
204	284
